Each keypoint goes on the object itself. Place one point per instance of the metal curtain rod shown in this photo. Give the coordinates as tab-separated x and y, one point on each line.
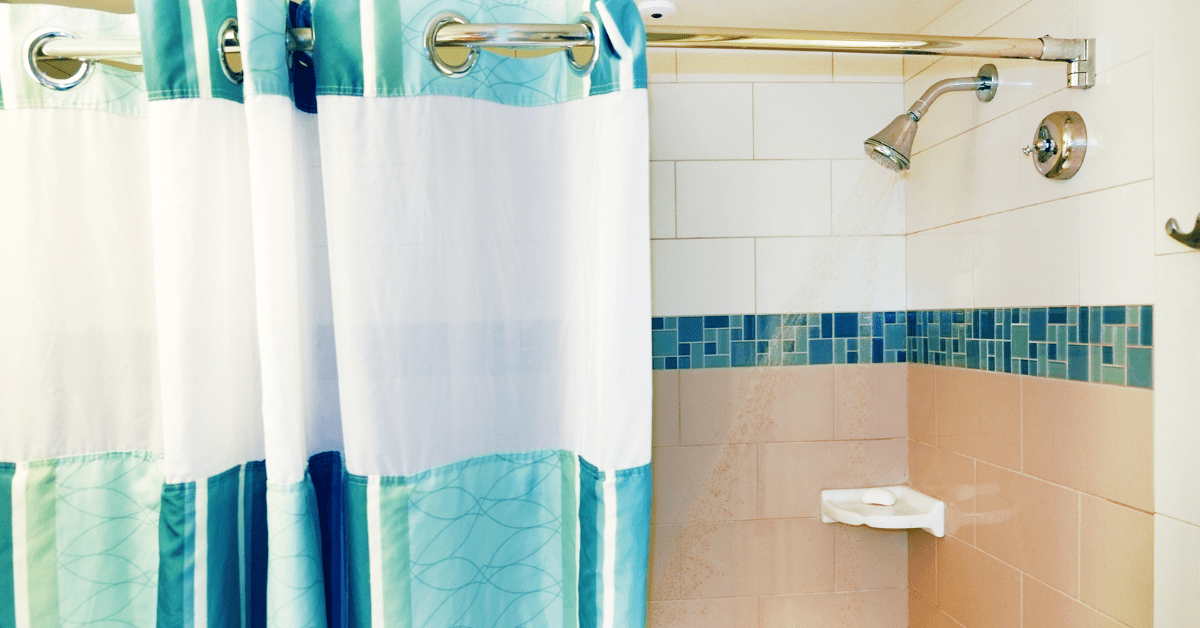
1079	54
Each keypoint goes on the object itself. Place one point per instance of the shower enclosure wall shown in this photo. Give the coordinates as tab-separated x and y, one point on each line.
1068	489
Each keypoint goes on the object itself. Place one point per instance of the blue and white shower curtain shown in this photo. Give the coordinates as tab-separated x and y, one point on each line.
350	343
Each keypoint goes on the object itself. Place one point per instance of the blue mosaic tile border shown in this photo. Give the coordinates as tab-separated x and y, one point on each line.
1110	345
686	342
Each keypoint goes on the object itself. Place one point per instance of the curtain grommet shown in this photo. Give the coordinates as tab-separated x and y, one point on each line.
431	51
593	26
54	72
229	49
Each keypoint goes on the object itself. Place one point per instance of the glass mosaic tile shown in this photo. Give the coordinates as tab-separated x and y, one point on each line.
1108	344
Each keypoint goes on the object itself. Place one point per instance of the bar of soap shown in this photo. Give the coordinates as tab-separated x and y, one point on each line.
879	497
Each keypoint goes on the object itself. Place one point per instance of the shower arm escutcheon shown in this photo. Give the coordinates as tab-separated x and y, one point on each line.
984	85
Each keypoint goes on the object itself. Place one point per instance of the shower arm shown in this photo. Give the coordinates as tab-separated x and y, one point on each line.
964	84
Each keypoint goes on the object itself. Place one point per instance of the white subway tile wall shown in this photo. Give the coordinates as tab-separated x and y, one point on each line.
762	199
765	214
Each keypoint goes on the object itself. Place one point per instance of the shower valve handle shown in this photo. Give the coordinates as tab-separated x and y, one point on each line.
1045	149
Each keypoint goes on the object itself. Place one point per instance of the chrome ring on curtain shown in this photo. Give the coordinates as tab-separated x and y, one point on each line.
431	51
593	26
53	76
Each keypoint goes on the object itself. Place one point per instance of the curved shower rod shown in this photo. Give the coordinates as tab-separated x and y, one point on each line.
1079	54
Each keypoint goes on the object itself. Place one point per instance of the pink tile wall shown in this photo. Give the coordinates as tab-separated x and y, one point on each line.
740	458
1049	497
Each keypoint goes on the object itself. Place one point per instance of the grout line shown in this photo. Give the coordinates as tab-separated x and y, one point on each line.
1023	474
1176	519
1079	545
1021	415
753	135
675	173
755	267
1013	209
1021	598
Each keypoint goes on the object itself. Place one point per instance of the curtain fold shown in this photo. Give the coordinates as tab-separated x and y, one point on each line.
345	343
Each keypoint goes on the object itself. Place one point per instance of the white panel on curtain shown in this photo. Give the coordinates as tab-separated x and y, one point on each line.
348	344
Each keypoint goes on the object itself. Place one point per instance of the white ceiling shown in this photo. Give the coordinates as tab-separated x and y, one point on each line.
872	16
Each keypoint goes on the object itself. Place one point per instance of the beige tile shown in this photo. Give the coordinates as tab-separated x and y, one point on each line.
664	541
792	475
922	404
976	589
660	65
754	66
1029	524
1117	561
922	563
868	558
881	608
841	274
708	483
949	477
1043	607
822	132
696	276
741	558
756	405
979	415
1091	437
666	408
701	121
922	613
870	401
733	612
867	68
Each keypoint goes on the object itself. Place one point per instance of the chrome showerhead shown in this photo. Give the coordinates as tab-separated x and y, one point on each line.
891	146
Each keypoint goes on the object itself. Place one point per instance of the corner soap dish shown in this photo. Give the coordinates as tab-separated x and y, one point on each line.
912	509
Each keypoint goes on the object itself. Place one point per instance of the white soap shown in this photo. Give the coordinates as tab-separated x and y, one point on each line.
879	497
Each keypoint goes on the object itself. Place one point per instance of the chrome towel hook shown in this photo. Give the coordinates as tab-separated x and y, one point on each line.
1187	239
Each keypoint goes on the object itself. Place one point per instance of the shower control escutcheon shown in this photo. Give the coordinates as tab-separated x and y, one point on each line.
1059	145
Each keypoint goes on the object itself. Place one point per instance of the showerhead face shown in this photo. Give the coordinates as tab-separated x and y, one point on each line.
891	146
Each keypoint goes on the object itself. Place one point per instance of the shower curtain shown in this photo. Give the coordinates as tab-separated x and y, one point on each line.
348	343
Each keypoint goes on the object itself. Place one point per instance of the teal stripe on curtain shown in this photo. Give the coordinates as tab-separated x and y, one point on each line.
264	47
41	501
634	489
168	56
173	559
8	610
224	582
569	519
389	48
106	520
358	555
254	536
606	77
394	494
189	558
591	545
215	13
338	53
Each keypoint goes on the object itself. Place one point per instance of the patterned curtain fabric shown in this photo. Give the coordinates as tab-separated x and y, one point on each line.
345	342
